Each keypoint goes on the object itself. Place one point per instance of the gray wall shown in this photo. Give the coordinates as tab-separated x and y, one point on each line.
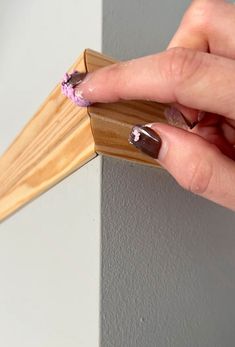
168	257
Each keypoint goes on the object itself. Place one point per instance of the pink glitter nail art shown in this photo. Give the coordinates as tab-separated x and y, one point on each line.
69	85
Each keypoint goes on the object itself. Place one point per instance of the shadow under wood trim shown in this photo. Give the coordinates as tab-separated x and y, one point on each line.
61	137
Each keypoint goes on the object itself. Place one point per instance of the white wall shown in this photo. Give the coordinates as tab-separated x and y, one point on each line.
168	257
49	267
49	251
40	40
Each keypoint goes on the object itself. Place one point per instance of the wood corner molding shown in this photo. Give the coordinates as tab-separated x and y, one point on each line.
61	137
111	123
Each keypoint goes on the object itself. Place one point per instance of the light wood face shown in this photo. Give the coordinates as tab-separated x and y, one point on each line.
57	141
62	137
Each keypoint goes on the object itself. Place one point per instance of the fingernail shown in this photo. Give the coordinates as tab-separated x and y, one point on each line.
176	118
69	87
146	140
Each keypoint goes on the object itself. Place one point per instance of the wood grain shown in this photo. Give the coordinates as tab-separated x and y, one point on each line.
111	123
62	137
57	141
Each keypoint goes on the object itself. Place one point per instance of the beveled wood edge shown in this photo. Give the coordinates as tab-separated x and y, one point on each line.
62	137
55	142
111	123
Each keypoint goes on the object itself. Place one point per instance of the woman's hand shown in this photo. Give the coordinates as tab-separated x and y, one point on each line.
196	73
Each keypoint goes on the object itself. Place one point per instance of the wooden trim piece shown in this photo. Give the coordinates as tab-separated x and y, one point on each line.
62	137
111	123
57	141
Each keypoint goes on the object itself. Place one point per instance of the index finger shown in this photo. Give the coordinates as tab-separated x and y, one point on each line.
194	79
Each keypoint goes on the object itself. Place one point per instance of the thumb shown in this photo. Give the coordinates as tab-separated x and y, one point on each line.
196	164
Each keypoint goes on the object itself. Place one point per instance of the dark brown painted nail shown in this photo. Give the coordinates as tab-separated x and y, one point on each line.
177	119
145	139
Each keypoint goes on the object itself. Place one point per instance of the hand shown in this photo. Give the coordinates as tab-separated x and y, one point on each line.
196	73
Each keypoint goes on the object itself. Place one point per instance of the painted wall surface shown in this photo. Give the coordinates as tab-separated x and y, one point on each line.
168	257
49	251
49	267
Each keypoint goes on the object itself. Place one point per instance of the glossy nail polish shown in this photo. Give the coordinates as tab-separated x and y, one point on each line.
177	119
146	140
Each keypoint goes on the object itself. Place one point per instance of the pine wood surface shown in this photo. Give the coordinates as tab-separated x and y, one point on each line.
55	142
111	123
62	137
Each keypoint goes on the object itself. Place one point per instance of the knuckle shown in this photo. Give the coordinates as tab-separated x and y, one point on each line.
199	176
118	68
115	74
200	179
113	70
181	64
200	14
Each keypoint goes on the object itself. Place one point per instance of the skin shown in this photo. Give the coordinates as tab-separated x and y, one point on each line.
196	72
